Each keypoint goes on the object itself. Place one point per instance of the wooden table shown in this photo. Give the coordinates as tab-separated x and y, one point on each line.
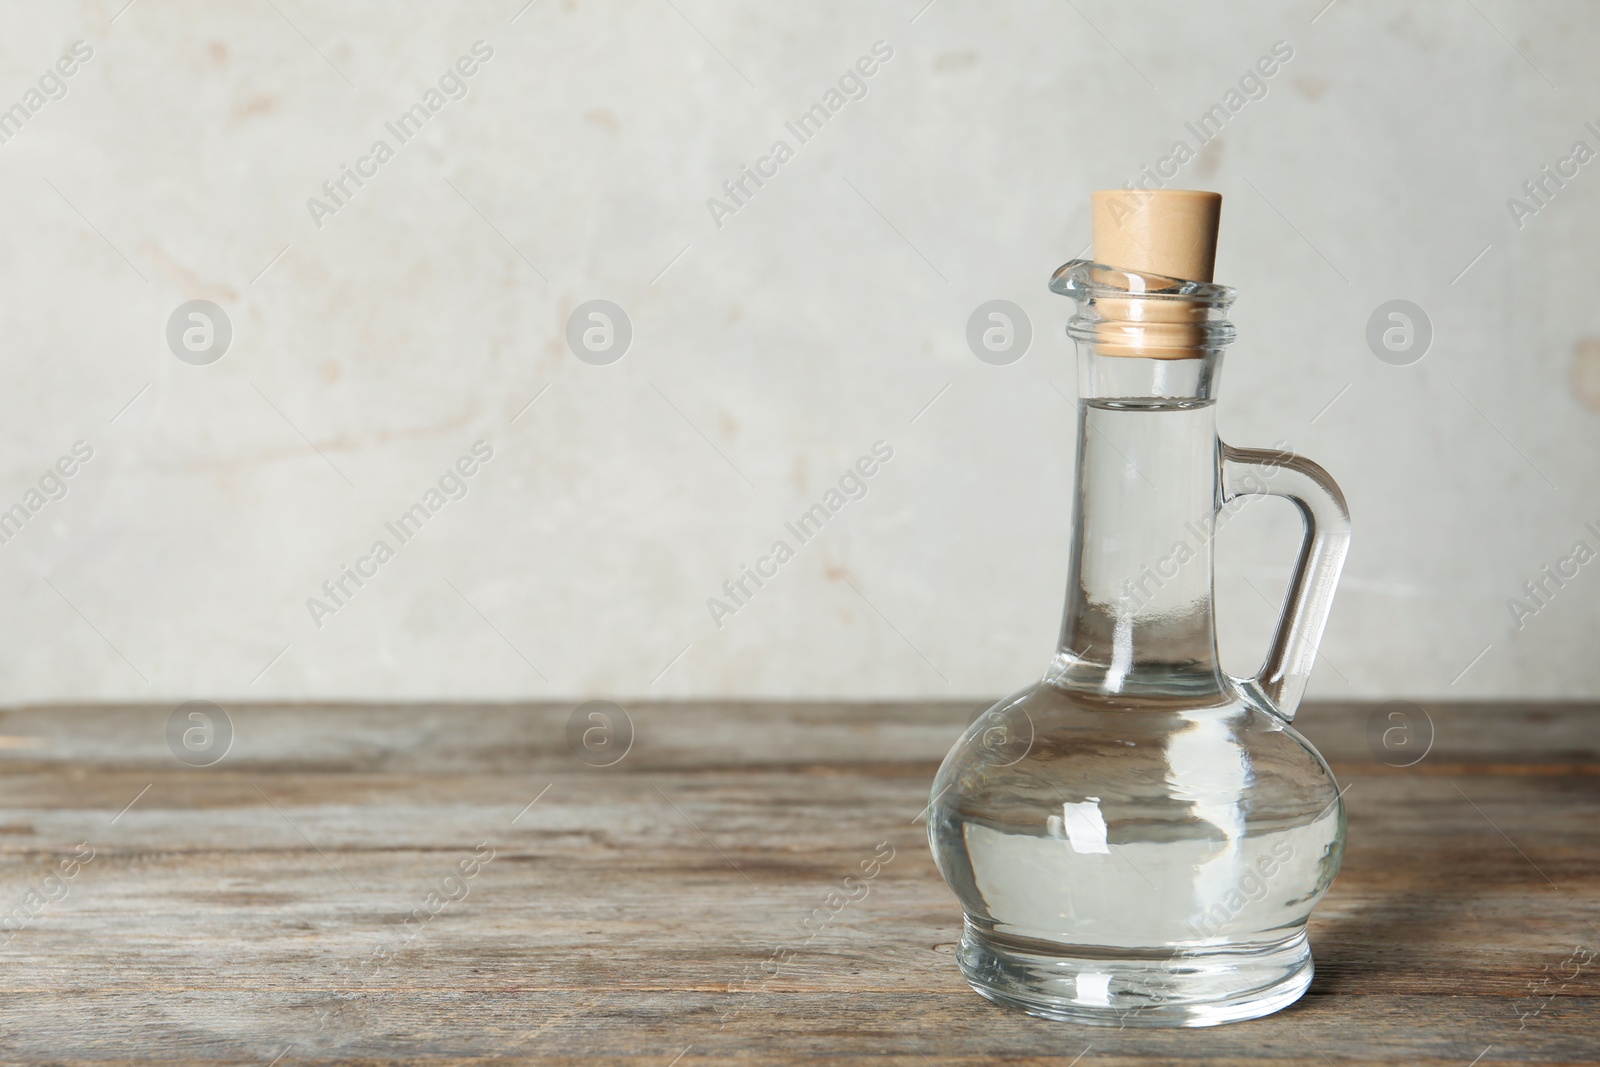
649	912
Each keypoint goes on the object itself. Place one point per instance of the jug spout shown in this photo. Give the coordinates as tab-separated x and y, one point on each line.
1145	335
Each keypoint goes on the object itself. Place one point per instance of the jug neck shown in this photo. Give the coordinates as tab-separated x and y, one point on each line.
1139	627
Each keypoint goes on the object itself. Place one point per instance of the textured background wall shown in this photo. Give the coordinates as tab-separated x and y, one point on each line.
772	344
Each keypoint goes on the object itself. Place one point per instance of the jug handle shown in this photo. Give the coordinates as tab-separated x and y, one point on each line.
1260	471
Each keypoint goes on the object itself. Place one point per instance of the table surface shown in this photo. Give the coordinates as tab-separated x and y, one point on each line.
448	883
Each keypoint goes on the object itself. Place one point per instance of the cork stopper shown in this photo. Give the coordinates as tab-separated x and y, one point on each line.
1167	232
1162	231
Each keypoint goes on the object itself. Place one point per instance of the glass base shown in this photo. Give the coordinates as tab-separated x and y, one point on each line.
1114	987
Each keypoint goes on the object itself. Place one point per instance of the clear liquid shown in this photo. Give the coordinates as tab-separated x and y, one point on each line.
1073	885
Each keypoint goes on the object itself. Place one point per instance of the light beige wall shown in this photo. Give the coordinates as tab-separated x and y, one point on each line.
771	347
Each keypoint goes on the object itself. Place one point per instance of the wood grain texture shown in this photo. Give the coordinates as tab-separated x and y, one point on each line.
257	909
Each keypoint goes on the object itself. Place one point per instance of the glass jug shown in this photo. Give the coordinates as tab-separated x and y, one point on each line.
1138	838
